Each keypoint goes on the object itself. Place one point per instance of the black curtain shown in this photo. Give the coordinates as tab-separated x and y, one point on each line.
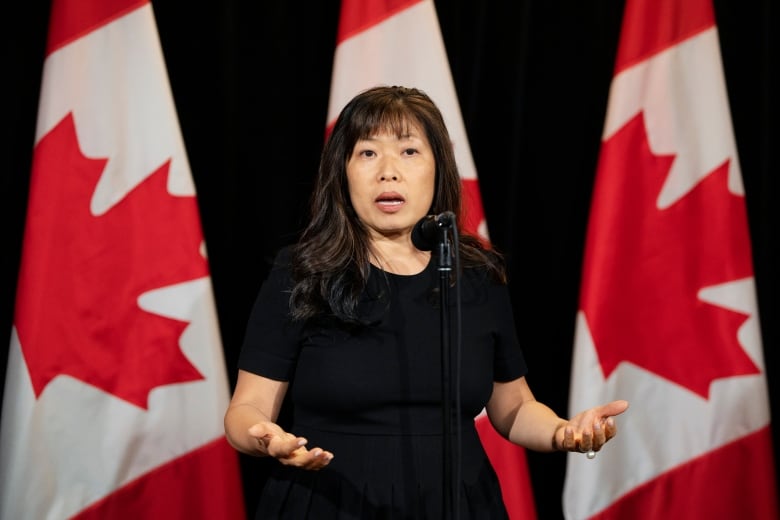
251	81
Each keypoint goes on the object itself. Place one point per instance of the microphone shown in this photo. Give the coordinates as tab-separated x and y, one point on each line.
429	231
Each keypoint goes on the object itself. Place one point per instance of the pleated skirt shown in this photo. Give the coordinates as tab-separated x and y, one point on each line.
395	477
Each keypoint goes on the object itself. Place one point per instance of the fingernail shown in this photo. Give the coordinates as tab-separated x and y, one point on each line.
301	442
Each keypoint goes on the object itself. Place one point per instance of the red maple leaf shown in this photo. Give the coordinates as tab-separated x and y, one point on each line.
77	310
644	267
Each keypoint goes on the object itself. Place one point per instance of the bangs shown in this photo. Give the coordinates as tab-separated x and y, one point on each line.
395	119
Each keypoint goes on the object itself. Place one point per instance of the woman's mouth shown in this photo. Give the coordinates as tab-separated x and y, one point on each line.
389	202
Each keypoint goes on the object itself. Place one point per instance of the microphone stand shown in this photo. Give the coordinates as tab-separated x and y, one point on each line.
444	266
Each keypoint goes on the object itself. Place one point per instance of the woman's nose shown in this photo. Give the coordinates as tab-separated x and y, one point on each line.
388	171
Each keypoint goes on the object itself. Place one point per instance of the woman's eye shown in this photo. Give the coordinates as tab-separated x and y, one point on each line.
367	153
410	151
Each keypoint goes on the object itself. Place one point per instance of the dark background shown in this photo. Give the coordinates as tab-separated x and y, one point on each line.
251	82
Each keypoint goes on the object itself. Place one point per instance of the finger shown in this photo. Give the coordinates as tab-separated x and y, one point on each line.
319	459
569	442
613	408
610	428
574	441
586	442
293	443
313	460
286	447
599	435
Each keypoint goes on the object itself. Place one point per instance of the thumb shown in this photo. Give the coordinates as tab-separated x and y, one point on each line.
613	408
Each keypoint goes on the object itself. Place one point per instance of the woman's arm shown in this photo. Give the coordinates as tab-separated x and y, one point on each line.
519	417
250	424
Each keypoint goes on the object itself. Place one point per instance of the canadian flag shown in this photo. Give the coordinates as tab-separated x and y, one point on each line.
668	317
398	42
116	384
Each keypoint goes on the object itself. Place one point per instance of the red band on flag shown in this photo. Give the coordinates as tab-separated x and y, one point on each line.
358	16
167	490
68	24
646	32
704	486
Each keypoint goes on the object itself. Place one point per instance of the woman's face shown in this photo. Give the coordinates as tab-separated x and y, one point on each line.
391	181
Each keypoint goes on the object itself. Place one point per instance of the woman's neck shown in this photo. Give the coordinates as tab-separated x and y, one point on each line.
399	257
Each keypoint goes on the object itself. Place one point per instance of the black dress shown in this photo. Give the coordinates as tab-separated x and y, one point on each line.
372	396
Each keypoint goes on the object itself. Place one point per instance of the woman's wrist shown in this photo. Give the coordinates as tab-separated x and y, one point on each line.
555	446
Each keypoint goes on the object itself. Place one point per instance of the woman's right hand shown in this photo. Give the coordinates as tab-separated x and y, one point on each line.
287	448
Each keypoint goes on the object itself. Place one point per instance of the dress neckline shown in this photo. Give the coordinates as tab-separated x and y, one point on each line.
405	276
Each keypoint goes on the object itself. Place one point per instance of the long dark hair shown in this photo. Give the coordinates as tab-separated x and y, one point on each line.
331	261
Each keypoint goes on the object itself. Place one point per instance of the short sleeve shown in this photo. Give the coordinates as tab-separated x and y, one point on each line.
509	363
272	339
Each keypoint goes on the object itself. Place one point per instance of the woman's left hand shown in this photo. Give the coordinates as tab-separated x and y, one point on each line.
589	430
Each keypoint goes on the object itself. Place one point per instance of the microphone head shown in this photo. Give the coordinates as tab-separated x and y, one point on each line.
430	230
426	233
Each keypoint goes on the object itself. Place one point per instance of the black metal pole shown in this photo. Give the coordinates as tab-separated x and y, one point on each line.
449	487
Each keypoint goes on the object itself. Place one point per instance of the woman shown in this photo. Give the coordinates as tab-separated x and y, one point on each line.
347	329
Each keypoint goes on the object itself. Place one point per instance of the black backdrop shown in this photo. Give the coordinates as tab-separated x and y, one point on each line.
251	81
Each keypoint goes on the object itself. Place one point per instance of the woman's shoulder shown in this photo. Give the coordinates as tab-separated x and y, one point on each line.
483	274
486	264
283	257
277	267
